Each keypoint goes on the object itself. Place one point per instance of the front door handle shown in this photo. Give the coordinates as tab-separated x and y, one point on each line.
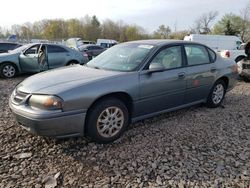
213	69
181	75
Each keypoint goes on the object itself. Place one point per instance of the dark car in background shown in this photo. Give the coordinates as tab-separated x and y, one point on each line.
93	50
6	46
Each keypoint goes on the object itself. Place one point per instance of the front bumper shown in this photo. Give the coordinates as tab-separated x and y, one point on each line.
59	124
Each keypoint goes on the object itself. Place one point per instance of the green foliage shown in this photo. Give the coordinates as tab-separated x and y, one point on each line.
162	32
230	24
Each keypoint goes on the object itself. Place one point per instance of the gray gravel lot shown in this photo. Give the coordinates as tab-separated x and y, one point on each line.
193	147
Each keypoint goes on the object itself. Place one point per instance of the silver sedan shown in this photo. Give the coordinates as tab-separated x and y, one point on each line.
127	83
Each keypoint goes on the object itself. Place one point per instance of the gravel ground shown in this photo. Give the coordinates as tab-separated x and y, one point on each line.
193	147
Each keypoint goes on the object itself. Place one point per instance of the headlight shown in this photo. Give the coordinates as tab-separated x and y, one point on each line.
46	102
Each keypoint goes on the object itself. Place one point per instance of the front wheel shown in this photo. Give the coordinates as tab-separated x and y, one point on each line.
107	120
216	94
7	70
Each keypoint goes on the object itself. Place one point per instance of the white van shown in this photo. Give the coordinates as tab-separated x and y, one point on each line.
216	42
106	43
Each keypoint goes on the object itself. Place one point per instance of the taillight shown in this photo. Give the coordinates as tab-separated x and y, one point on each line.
227	54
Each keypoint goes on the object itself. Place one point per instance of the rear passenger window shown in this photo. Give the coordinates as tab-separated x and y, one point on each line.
55	49
197	54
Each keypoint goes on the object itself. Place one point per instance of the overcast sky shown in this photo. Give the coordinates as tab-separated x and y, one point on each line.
147	13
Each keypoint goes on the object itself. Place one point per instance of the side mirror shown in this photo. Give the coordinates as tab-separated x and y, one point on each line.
156	67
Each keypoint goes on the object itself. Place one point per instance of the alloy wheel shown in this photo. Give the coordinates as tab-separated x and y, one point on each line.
110	122
218	93
9	71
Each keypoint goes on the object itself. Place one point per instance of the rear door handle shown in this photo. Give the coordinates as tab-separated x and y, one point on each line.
213	69
181	75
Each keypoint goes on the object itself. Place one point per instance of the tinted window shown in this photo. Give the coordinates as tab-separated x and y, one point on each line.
169	57
7	46
94	48
196	54
55	49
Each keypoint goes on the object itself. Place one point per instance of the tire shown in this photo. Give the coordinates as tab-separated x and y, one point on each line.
107	120
216	94
8	70
72	63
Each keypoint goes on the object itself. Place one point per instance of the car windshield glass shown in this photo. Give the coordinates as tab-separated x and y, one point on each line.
124	57
20	49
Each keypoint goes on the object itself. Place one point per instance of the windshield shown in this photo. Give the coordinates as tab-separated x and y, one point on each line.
20	49
123	57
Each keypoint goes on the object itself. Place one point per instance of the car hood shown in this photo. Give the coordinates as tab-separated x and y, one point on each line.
62	79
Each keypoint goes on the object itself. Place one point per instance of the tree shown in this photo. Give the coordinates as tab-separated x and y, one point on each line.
55	29
91	28
202	24
245	27
74	28
162	32
111	30
230	24
179	35
1	33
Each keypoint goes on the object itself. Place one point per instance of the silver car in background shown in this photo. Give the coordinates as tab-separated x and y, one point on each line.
126	83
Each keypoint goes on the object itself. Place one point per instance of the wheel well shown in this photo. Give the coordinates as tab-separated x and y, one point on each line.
124	97
9	62
239	58
72	61
225	79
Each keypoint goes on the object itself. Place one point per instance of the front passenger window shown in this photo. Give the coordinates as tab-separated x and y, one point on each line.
170	57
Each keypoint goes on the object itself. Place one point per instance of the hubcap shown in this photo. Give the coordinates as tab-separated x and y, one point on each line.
110	122
9	71
218	94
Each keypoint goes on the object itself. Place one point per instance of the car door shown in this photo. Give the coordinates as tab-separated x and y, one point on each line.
29	59
201	72
57	56
161	90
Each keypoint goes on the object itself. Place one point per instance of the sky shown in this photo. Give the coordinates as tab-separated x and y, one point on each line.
149	14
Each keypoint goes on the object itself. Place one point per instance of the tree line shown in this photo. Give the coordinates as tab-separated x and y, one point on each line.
90	28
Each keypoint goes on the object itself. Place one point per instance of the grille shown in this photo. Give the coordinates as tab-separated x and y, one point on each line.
19	96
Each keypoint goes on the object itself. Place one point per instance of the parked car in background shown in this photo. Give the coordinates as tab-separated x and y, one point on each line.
6	46
236	55
93	50
106	43
244	63
77	43
126	83
38	57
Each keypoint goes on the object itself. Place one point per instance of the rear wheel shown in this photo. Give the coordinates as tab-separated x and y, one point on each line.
216	94
72	63
8	70
107	120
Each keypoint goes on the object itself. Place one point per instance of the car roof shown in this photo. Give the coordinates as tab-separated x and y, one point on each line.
161	42
7	42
